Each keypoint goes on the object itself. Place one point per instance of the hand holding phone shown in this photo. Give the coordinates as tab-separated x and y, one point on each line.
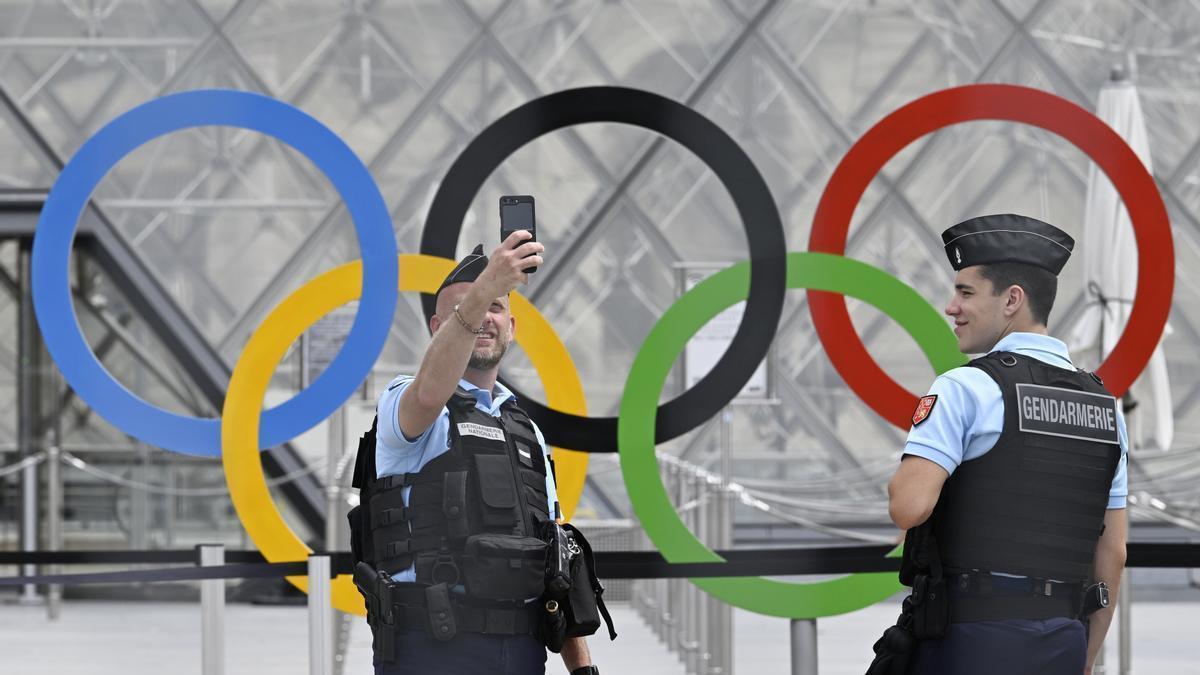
516	213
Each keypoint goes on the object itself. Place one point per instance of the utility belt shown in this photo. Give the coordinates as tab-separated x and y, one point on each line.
435	610
937	601
568	596
962	597
978	596
943	596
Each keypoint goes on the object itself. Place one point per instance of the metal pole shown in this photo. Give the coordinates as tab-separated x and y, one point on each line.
687	606
212	613
54	506
1125	612
344	625
707	603
660	608
675	586
691	592
332	489
27	415
170	504
139	500
29	505
320	617
804	647
724	613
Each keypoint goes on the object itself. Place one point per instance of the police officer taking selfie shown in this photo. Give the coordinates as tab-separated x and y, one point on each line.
456	535
1012	484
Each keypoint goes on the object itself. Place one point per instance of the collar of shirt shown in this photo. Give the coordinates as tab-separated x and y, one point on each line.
484	399
1041	347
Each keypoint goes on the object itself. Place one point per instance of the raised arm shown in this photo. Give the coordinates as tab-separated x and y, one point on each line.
449	351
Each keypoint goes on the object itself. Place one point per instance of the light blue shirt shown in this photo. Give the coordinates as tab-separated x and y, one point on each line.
968	416
395	454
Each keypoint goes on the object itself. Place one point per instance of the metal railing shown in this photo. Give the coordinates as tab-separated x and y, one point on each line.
695	626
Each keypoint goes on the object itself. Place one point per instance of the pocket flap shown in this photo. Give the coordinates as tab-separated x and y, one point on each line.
496	486
506	546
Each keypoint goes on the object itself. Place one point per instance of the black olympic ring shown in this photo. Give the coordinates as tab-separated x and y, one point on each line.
697	133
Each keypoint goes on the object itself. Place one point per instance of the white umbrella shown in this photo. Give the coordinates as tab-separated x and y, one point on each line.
1110	270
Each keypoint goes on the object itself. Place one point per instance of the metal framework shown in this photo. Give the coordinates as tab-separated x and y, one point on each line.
203	232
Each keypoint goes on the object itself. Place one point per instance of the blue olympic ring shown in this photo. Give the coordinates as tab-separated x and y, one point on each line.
67	199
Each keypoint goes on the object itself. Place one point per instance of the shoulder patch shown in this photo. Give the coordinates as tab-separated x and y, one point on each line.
924	407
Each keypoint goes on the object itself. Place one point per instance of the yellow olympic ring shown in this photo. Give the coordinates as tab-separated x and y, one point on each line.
248	385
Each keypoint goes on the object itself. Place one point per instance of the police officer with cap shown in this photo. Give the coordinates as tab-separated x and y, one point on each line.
462	474
1015	467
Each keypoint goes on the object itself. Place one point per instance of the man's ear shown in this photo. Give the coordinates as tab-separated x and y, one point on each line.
1014	301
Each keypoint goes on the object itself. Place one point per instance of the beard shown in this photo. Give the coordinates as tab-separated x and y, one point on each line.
486	359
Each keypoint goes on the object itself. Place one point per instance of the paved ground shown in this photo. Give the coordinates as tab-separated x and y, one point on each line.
103	637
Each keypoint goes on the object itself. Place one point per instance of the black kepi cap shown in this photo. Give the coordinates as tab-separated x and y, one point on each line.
1007	237
467	270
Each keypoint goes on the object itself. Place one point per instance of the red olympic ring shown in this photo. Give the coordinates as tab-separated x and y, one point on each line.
1151	226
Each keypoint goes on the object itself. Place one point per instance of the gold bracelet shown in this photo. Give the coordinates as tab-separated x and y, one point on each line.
466	325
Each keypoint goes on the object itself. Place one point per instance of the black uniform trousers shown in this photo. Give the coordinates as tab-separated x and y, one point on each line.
466	654
1055	646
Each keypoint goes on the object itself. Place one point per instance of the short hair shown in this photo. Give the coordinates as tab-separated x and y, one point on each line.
1040	285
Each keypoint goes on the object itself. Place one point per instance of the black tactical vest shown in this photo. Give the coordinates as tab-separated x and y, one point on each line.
1034	504
475	510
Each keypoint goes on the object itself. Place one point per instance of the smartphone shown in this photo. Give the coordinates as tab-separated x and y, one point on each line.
516	213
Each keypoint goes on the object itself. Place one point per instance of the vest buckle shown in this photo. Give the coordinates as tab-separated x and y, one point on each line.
445	570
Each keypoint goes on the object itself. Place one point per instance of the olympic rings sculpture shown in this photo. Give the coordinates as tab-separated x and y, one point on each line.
244	428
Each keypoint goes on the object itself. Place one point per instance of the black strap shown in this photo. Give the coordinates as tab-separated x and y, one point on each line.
454	505
462	399
418	515
405	546
1001	607
390	516
520	621
364	460
439	610
597	587
973	583
405	480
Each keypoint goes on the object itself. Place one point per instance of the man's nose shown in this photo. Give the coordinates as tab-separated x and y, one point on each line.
951	308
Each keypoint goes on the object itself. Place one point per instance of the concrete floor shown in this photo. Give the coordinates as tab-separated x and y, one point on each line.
145	638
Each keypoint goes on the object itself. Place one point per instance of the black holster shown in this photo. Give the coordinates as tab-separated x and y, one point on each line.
376	588
921	569
925	613
930	607
894	649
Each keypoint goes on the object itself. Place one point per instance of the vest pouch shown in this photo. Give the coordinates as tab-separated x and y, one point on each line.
504	567
930	607
583	616
497	491
355	516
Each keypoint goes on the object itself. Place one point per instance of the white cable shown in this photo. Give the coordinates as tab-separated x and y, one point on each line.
32	460
73	461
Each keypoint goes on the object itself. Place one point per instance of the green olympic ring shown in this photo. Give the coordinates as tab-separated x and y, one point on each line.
635	428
